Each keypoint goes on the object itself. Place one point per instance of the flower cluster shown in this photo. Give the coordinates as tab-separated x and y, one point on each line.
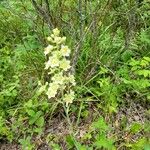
58	67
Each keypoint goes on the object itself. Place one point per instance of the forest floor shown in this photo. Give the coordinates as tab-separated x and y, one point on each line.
134	112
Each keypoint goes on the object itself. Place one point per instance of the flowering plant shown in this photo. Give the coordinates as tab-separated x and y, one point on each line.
58	67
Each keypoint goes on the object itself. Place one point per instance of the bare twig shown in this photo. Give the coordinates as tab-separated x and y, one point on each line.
78	47
77	50
43	13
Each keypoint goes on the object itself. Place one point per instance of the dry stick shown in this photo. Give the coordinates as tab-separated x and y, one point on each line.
130	27
42	13
78	46
77	50
60	8
80	17
42	25
85	11
48	11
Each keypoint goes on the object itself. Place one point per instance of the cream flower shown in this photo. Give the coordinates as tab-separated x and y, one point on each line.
52	90
52	71
39	83
65	64
49	39
42	88
57	40
58	78
48	49
56	54
47	64
65	51
72	80
52	35
68	98
56	32
63	39
57	66
52	62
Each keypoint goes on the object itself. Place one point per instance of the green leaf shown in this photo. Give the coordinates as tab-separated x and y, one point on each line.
34	118
140	144
38	130
103	70
29	104
30	112
135	127
40	121
83	147
144	63
147	146
103	142
127	55
70	141
145	73
100	124
134	62
147	58
55	146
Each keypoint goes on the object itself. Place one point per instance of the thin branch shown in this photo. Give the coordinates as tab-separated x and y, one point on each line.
77	50
48	12
42	13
